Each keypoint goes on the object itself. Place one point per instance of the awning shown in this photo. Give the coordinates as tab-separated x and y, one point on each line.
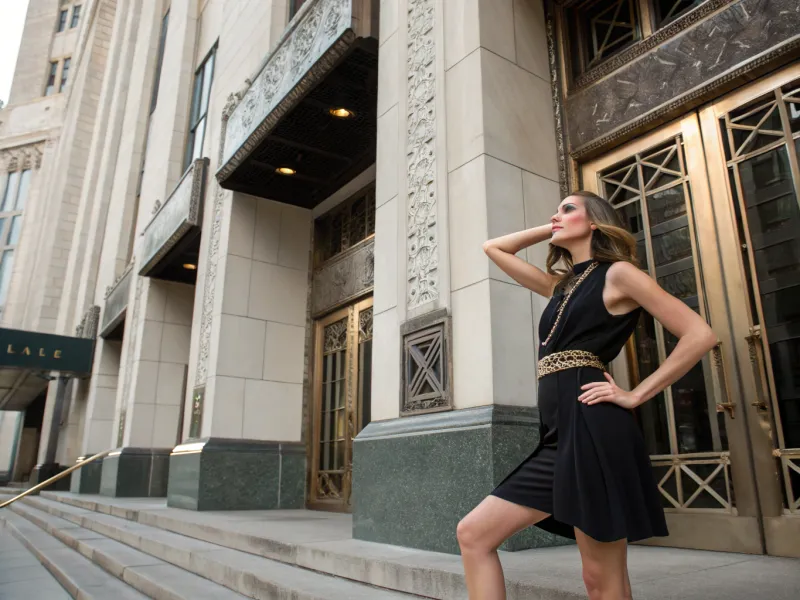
27	358
308	122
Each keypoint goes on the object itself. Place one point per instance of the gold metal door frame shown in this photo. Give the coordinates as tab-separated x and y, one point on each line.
781	516
735	526
325	495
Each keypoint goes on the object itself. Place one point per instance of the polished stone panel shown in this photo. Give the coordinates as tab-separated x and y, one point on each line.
43	472
672	76
442	465
86	480
232	474
135	473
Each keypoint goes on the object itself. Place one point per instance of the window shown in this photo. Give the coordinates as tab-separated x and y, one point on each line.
197	121
345	226
76	16
294	6
161	42
601	29
62	20
51	79
15	194
669	10
64	74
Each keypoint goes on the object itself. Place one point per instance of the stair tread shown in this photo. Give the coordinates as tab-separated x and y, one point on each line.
202	557
76	573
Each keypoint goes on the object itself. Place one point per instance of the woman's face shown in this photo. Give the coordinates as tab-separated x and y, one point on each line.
570	223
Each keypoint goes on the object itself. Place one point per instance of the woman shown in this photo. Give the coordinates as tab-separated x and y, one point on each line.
590	476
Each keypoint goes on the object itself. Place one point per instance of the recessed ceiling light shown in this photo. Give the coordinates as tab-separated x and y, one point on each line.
285	171
190	267
342	113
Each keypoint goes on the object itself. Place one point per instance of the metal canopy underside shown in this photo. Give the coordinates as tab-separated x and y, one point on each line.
326	152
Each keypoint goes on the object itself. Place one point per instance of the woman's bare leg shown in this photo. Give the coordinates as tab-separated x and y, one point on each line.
605	570
480	533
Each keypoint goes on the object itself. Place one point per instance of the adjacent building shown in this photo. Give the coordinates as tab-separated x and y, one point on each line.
251	233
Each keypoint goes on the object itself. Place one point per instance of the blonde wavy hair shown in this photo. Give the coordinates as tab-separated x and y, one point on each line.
611	242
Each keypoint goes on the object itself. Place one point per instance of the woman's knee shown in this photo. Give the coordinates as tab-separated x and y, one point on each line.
469	534
593	577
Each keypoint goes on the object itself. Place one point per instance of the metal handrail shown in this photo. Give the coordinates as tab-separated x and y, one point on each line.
54	478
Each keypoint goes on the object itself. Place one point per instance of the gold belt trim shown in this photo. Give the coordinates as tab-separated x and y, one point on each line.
568	359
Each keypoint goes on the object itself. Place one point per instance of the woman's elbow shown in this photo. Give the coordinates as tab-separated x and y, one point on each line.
709	339
488	245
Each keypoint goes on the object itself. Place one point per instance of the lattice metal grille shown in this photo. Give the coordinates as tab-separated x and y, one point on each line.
333	412
346	226
790	464
701	483
426	370
601	29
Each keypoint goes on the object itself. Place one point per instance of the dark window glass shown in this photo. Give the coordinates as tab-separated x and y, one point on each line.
62	20
51	79
197	122
161	42
669	10
76	17
64	74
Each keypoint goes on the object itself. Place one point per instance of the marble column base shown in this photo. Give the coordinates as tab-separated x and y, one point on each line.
229	474
415	478
135	473
86	480
43	472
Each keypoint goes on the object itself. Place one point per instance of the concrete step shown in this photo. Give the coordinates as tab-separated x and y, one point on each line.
78	575
323	542
21	572
245	573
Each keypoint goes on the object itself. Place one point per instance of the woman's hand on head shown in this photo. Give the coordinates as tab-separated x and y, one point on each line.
608	391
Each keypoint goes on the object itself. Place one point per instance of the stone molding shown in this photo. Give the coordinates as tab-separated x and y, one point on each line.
89	324
554	56
423	250
21	158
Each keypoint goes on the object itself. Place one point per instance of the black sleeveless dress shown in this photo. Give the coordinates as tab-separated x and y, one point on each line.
591	469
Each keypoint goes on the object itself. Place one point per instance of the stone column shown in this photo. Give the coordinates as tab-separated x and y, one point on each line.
472	129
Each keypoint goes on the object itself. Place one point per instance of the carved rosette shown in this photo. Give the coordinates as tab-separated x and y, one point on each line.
314	35
423	252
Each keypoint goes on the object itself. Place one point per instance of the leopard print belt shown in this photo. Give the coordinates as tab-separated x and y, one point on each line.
568	359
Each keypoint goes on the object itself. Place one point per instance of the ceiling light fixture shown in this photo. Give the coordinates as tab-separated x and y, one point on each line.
285	171
190	267
342	113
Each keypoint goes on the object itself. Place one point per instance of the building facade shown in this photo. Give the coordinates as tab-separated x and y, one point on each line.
268	218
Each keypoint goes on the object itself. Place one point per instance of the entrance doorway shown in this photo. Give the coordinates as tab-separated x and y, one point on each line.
342	389
714	203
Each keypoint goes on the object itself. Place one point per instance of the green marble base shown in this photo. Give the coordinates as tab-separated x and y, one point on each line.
135	473
414	478
228	474
44	472
86	480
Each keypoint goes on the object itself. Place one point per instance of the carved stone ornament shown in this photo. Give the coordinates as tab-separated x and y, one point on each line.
156	207
344	278
21	158
315	41
90	321
558	107
423	250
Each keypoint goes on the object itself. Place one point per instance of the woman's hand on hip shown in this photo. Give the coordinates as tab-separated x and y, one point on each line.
608	391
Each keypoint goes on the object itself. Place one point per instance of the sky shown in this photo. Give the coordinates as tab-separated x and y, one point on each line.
12	20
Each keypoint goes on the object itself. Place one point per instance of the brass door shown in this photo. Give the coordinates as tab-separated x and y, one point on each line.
342	376
694	430
752	141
